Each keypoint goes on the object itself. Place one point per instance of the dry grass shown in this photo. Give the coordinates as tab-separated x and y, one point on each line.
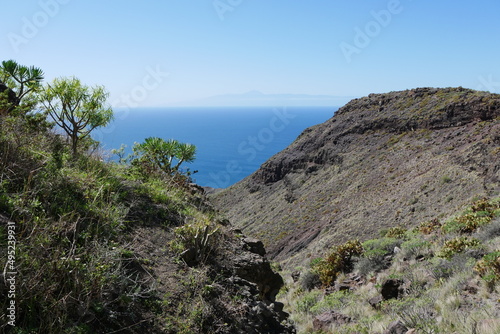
442	295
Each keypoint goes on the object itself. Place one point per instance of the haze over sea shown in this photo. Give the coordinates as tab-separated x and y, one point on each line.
232	142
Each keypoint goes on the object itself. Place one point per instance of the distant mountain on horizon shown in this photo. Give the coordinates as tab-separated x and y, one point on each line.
256	98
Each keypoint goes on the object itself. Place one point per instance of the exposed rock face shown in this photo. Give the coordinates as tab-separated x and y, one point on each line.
383	160
254	246
380	112
257	283
256	269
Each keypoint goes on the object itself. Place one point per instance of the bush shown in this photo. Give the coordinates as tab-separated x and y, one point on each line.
339	260
396	232
310	280
443	269
457	245
333	301
195	241
489	267
467	223
365	265
415	247
430	226
479	214
380	247
308	301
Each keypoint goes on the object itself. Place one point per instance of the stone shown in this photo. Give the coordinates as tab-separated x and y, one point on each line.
391	289
323	321
375	302
343	287
254	246
396	327
296	276
256	269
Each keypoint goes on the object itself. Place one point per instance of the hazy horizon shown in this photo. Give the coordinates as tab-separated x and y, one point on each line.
171	52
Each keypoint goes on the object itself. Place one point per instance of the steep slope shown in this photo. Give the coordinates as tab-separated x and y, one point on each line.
384	160
95	247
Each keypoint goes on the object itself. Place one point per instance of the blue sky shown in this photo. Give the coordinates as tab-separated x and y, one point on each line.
154	53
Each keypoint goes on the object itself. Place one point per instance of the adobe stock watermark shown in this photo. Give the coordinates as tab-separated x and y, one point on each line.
223	6
9	274
488	84
364	35
31	26
251	146
151	81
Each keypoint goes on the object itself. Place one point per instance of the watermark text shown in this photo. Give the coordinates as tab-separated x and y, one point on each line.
10	273
32	25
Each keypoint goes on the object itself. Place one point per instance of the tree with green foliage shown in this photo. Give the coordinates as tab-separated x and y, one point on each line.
185	152
162	154
76	108
19	82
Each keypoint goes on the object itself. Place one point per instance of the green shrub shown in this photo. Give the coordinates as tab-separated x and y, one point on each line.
467	223
308	301
430	226
195	241
339	260
415	247
489	267
457	245
446	179
479	214
380	247
396	232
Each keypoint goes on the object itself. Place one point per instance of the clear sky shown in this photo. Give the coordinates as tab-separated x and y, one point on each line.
207	47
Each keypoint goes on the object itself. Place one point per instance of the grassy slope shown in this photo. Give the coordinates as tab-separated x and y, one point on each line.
98	245
447	288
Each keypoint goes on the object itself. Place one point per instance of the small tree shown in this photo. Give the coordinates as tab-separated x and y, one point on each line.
162	154
18	83
184	153
76	108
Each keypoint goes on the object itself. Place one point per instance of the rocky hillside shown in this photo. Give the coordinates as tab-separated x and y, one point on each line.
381	161
95	247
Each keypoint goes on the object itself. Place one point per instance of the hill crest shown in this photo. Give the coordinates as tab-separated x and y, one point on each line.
383	160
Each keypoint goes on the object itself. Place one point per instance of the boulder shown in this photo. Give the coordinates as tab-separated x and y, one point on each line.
392	288
296	276
396	327
256	269
375	302
254	246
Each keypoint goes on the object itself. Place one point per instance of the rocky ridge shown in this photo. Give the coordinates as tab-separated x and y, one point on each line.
384	160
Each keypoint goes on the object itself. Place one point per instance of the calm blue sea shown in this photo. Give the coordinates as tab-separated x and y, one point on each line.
232	142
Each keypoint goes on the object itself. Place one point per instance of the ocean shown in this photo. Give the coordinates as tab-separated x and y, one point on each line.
232	142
